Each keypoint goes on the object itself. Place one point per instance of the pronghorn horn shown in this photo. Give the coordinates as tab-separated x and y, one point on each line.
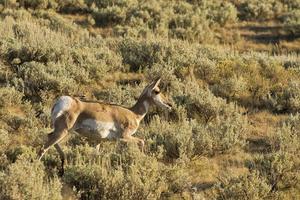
155	83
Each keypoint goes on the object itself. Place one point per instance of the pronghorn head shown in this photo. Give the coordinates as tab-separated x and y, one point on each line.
154	96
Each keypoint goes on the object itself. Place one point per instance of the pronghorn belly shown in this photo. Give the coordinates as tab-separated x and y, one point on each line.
97	129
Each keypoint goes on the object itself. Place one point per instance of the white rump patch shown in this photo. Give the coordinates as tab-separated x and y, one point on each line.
105	129
62	104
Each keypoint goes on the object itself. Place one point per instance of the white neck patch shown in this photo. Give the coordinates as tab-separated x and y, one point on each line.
146	105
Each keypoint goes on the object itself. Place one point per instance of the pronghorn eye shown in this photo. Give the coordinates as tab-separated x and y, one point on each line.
156	92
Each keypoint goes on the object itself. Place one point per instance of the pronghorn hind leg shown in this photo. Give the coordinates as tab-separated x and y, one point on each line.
98	148
62	157
53	138
42	150
61	126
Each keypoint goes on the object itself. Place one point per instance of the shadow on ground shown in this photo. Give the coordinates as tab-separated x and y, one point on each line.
267	34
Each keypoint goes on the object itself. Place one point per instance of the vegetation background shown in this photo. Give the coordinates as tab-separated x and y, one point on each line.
231	68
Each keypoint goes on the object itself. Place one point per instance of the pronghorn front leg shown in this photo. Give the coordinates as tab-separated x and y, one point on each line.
127	137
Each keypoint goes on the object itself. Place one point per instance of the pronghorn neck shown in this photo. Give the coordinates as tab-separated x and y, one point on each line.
141	107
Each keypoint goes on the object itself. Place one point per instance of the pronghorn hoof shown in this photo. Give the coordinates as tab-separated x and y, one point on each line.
61	172
142	144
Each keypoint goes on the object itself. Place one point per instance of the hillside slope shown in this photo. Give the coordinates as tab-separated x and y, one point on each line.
233	79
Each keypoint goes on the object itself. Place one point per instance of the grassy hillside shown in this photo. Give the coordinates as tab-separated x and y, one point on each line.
231	69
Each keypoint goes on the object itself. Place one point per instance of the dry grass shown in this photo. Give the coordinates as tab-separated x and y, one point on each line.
264	122
266	36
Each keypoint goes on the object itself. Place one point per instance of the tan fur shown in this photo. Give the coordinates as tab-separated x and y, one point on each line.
125	120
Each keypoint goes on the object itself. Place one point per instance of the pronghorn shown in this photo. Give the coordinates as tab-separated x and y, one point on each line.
97	120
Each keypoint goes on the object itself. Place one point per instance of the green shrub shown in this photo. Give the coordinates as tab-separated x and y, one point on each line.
31	42
190	28
4	141
148	15
117	174
200	103
169	139
9	96
108	3
139	55
56	22
57	65
109	16
40	77
279	169
291	21
8	3
293	122
219	127
32	4
178	20
35	4
291	4
27	180
291	96
233	87
96	57
16	114
286	137
219	12
223	135
251	186
119	95
291	18
254	10
177	177
71	6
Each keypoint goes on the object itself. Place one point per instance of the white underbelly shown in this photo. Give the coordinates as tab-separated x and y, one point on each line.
99	129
